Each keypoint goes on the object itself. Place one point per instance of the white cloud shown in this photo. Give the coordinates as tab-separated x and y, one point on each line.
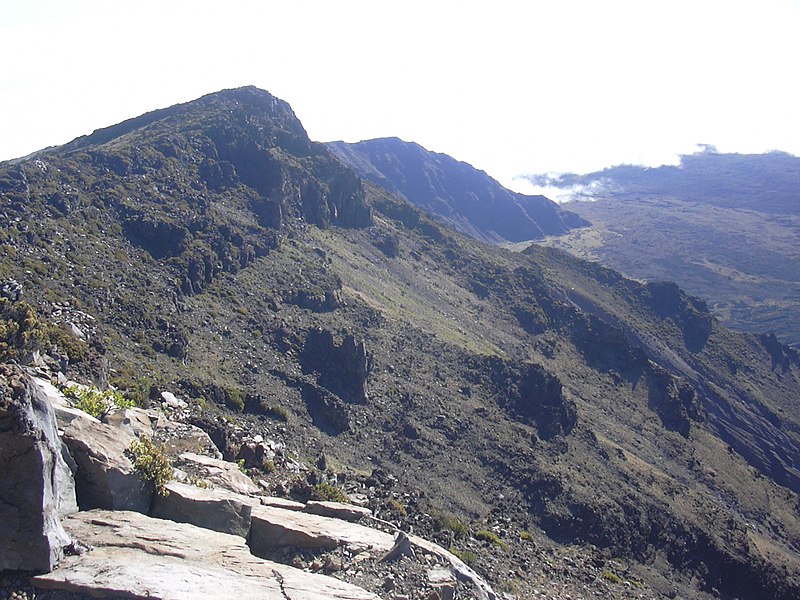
510	87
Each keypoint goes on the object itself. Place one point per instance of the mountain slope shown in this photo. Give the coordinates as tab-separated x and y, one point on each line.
726	227
575	415
457	194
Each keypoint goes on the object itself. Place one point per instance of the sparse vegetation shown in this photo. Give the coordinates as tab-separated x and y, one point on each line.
96	402
330	493
486	535
151	462
446	521
466	556
21	331
611	577
396	507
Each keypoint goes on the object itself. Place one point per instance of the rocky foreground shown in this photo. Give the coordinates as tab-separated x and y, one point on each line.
79	512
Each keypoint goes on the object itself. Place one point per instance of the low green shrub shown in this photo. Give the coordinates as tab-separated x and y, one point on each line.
467	557
611	577
396	507
446	521
96	402
331	493
151	462
485	535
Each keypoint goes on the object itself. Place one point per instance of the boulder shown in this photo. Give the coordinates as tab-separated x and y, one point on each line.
36	485
134	421
105	476
215	509
135	556
177	438
462	572
273	527
337	510
219	472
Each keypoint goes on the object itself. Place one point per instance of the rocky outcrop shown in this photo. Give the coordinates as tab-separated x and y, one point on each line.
274	527
674	401
217	472
135	556
337	510
36	485
532	394
342	367
105	476
216	509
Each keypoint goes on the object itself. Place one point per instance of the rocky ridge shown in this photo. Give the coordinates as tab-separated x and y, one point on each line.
210	537
467	199
562	429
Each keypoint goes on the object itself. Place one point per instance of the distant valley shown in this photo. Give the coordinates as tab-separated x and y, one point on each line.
726	227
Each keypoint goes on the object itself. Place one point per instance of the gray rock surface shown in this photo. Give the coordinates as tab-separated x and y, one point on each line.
276	527
221	473
216	509
337	510
36	486
134	421
136	556
105	476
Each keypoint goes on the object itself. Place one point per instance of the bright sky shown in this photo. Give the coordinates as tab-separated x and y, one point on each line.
509	86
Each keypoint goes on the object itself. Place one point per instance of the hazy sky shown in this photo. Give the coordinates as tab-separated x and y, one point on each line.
508	86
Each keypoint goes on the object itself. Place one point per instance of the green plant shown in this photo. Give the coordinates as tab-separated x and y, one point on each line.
95	402
612	577
326	491
526	536
240	464
234	398
151	462
396	507
451	523
60	336
278	413
465	556
21	332
485	535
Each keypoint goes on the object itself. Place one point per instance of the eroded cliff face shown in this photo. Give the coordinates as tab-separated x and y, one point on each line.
465	198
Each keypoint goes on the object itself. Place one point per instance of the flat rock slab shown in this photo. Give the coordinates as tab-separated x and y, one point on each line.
216	509
135	556
337	510
219	472
281	503
273	527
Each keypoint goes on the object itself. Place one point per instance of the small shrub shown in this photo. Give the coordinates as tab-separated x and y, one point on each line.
526	536
95	402
467	557
152	464
612	577
485	535
21	332
62	338
234	399
331	493
451	523
396	507
278	413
